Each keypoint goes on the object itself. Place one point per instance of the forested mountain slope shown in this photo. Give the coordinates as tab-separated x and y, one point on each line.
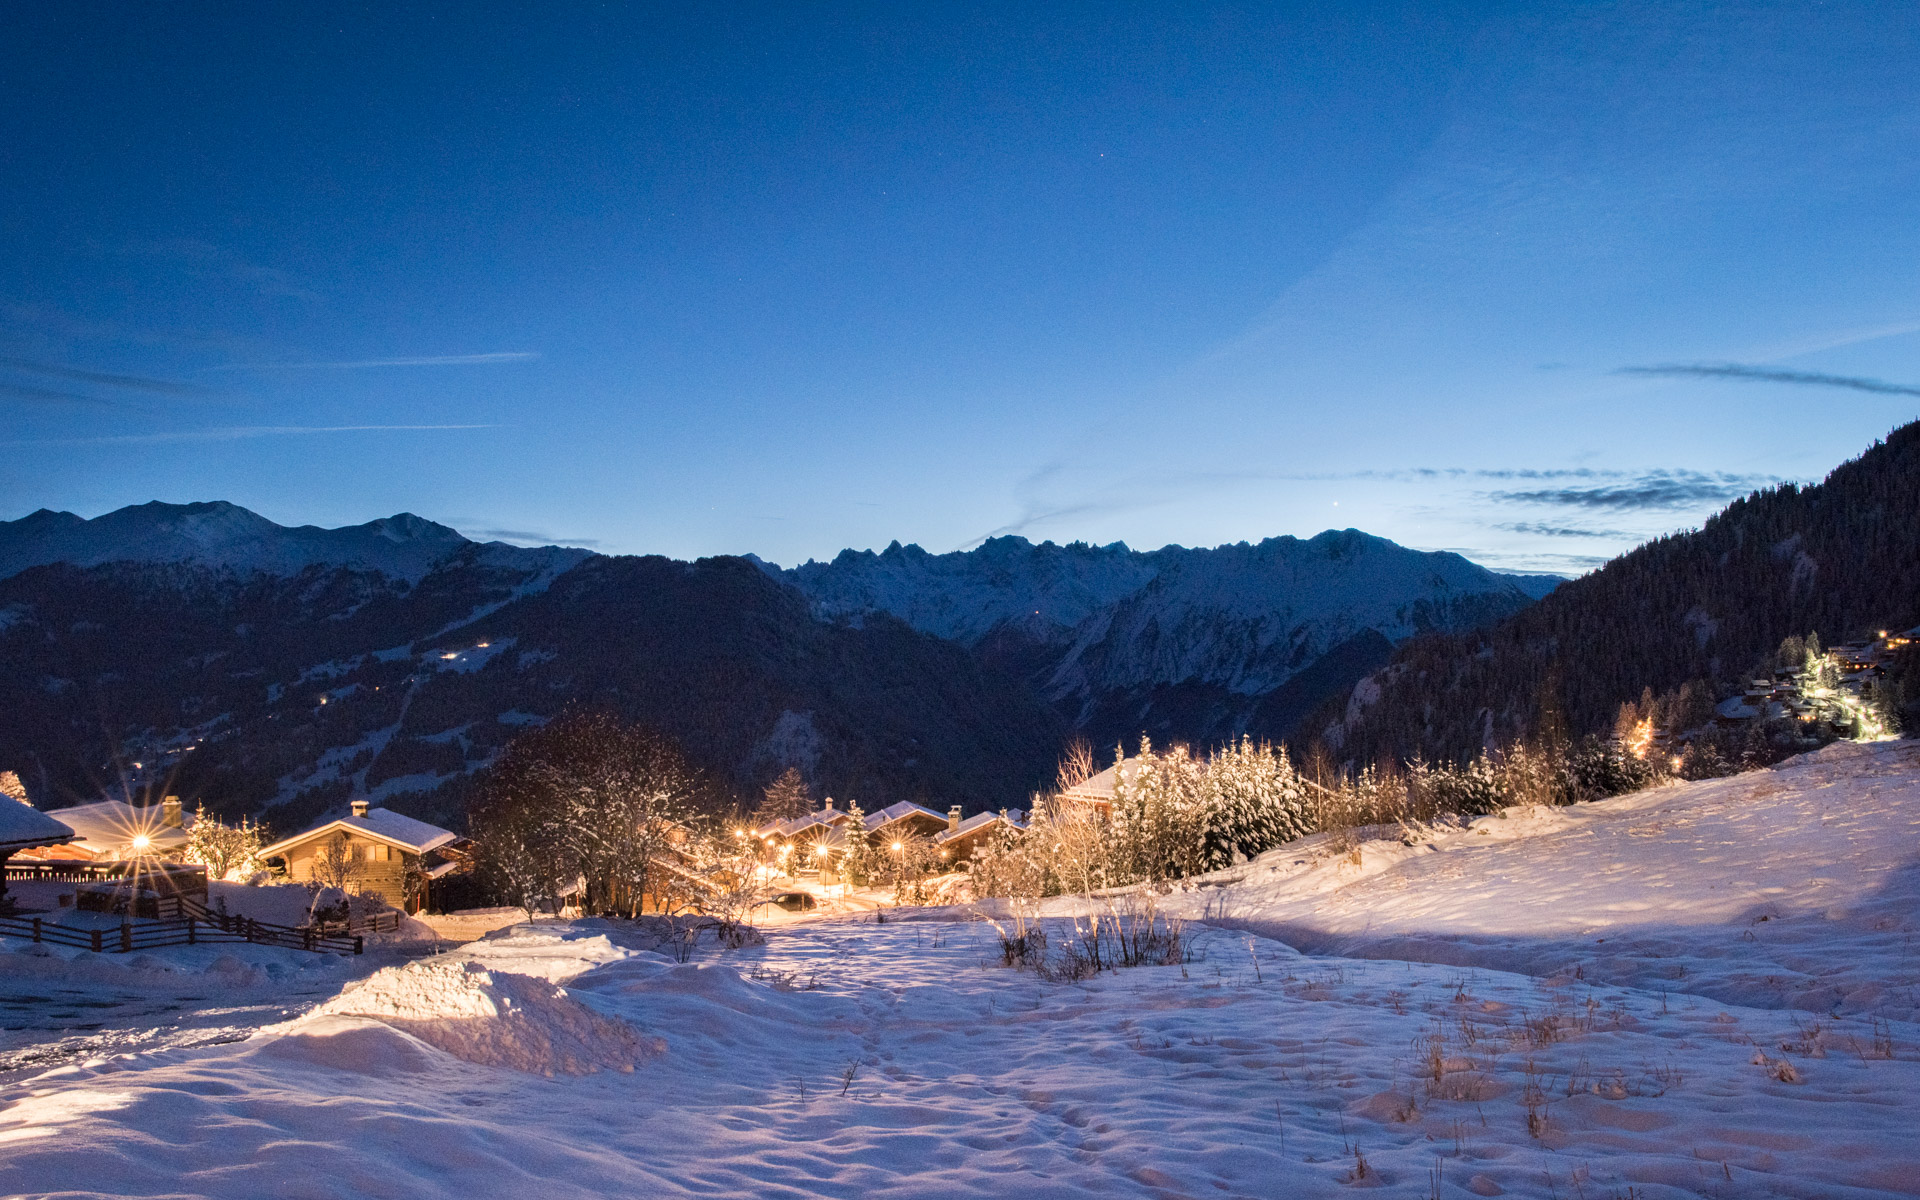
288	694
1840	559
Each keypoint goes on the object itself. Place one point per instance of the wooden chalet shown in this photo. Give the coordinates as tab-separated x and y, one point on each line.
23	827
393	855
961	838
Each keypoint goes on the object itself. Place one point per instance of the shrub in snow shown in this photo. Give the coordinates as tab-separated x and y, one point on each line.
1597	768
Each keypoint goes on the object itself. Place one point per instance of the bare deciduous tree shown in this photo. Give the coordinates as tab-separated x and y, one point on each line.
590	798
336	864
1076	765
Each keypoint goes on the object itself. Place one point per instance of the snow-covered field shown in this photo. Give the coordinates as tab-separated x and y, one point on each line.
851	1058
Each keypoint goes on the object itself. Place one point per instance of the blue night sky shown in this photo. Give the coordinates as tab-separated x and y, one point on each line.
787	279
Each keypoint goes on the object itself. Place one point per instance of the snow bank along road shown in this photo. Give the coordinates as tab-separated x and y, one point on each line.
854	1059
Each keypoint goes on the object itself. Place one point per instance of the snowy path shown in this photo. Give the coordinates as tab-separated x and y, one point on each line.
1234	1077
63	1007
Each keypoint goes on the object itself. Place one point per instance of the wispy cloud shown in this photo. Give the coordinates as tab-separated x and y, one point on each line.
1528	564
57	327
1541	529
138	383
230	433
1744	373
529	537
208	261
1040	503
1651	490
435	360
28	391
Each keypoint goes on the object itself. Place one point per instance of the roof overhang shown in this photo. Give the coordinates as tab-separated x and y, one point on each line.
352	830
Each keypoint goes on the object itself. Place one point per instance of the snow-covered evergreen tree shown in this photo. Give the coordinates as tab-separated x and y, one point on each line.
1252	801
858	851
226	851
786	797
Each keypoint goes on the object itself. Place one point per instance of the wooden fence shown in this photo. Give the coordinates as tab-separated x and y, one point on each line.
188	931
180	877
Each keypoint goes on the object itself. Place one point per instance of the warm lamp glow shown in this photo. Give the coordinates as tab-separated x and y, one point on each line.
141	841
1641	738
896	845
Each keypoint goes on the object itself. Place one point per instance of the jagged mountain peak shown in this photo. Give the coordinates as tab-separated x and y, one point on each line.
1092	621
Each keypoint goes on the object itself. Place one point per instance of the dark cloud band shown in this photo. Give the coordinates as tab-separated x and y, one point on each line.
1653	490
1542	529
1746	374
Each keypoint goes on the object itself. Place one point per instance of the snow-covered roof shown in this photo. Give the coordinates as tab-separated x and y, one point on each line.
108	827
380	823
900	812
22	826
1099	787
978	822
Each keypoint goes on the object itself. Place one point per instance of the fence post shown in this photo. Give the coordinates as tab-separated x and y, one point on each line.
96	941
126	939
358	944
36	929
192	932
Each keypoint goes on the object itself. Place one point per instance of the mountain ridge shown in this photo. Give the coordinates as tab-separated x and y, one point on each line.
284	669
221	534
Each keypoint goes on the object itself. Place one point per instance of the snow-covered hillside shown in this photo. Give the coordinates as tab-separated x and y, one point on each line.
853	1059
1797	887
218	534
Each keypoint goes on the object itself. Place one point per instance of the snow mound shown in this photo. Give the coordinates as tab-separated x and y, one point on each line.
494	1018
356	1044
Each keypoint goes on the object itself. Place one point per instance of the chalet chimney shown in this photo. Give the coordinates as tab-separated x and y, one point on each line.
359	808
953	818
170	812
827	804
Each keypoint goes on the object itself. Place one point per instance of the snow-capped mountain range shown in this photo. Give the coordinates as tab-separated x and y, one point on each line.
1095	621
